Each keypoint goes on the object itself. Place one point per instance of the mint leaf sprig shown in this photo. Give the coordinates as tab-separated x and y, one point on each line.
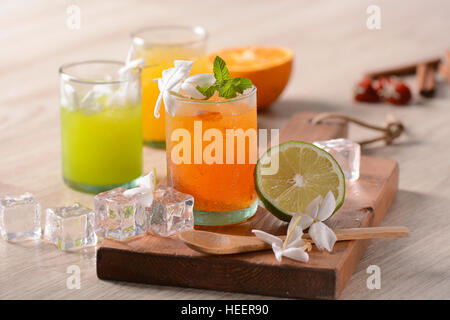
226	86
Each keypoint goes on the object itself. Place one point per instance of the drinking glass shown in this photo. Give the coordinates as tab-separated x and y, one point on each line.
101	125
159	46
211	155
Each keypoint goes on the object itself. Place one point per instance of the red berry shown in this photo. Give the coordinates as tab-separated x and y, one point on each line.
393	91
365	92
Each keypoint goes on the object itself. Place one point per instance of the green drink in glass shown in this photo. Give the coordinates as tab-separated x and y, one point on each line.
101	125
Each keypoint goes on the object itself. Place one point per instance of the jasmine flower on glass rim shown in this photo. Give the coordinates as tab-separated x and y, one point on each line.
176	81
169	79
131	63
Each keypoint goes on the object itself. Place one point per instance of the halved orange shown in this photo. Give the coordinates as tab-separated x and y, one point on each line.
269	68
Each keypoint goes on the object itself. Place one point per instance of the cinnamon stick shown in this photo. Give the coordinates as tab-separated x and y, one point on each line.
403	70
444	69
426	82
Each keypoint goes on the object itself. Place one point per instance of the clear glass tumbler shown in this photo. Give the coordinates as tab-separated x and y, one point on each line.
101	125
211	155
159	46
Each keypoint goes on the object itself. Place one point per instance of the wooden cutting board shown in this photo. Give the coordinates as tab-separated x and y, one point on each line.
167	261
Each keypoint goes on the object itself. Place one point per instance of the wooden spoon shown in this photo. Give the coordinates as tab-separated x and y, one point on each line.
217	243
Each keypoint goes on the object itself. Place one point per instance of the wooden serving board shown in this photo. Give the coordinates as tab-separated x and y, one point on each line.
167	261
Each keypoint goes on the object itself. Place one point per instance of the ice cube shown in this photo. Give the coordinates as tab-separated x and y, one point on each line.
118	213
90	104
20	217
126	93
346	152
68	96
102	90
70	227
170	212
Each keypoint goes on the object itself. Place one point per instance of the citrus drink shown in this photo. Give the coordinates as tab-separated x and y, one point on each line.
102	149
159	47
221	180
101	126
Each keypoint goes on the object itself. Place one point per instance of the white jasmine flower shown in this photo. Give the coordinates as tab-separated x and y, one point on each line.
188	87
317	212
131	65
171	81
292	247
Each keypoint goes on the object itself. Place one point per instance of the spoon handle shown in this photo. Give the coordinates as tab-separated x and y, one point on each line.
369	233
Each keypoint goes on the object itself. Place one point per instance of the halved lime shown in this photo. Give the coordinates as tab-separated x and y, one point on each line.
304	172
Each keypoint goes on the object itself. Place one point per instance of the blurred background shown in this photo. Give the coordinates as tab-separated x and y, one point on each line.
332	44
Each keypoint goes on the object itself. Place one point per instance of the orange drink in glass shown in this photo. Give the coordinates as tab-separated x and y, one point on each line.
211	155
159	47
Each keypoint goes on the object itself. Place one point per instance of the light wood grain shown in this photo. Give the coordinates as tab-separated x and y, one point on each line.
333	48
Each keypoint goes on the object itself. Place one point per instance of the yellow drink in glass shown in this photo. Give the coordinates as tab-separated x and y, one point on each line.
159	47
223	188
101	126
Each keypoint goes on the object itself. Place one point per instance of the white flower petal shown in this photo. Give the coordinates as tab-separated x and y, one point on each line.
166	76
159	100
327	207
306	222
184	65
143	196
138	63
171	78
296	254
130	55
134	191
297	233
176	88
202	80
299	242
323	237
188	90
313	207
169	103
278	252
148	181
268	238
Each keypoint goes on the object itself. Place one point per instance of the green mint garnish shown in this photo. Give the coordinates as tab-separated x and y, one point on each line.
208	92
228	87
220	70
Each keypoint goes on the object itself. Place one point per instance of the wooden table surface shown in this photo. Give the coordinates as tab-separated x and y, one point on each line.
333	47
